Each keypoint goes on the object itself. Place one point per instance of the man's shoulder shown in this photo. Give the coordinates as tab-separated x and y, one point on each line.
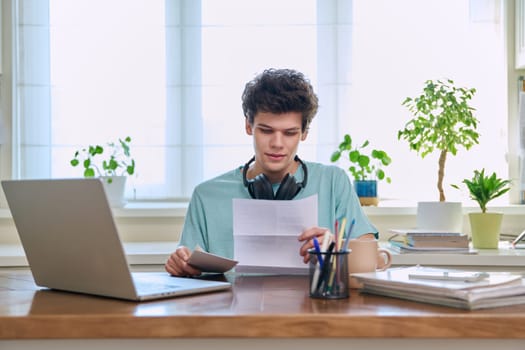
231	176
324	169
325	175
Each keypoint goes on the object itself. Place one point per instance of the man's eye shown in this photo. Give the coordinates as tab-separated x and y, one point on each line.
291	133
266	131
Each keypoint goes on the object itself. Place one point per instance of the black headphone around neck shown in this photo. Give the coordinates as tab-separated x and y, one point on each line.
260	187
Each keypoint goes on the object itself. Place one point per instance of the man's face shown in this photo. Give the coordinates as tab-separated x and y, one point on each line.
276	138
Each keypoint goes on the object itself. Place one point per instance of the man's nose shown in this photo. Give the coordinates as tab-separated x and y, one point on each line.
277	139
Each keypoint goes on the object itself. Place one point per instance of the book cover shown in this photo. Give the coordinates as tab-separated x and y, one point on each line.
461	241
423	232
423	238
402	248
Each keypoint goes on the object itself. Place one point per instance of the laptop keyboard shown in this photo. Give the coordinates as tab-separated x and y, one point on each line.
153	284
155	288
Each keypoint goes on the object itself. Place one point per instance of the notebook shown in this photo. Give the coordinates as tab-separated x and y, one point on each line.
72	244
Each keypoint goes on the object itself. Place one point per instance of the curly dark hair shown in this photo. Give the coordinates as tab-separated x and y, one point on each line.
280	91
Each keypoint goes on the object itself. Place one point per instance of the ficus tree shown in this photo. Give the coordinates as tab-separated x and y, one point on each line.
442	121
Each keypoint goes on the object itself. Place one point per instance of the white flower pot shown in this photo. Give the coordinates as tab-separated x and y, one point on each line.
115	190
440	216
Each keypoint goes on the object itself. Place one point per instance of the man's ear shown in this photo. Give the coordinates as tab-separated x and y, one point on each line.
304	135
248	127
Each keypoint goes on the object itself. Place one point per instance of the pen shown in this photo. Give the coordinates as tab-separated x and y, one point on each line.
341	234
318	251
316	282
336	231
318	266
338	246
326	241
323	281
345	248
332	273
517	239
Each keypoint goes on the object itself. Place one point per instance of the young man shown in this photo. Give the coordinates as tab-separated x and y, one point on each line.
278	105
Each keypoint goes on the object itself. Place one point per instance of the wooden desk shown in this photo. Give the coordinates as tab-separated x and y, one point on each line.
267	310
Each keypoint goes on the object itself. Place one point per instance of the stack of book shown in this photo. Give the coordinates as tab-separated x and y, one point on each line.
419	241
462	289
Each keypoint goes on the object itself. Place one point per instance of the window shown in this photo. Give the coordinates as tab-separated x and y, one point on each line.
397	46
170	73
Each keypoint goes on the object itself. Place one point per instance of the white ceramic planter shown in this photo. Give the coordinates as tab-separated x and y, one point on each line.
442	216
115	190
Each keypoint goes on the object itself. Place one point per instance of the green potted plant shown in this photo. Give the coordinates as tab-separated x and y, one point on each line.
112	162
485	227
442	121
365	167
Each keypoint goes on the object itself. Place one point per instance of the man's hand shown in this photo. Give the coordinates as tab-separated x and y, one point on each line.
177	264
307	237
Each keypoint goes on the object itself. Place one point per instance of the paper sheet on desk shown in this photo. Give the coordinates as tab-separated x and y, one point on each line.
265	231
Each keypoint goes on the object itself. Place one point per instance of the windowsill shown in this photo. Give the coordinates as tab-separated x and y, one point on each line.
139	209
178	209
152	249
138	253
156	253
394	207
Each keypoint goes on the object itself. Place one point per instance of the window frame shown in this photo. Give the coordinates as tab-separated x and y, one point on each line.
9	154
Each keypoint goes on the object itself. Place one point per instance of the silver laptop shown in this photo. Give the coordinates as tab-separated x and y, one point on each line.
71	243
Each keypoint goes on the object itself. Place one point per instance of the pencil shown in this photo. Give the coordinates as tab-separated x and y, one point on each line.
341	234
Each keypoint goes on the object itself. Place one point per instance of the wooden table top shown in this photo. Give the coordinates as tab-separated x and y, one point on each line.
256	307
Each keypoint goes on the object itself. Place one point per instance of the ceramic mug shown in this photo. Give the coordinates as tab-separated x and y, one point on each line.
366	256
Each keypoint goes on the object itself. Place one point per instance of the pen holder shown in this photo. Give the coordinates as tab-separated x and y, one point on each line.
328	275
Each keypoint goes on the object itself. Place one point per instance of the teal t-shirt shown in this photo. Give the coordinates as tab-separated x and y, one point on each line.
209	219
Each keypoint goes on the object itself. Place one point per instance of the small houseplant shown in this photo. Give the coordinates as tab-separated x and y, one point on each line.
484	188
442	121
485	227
113	159
111	162
365	167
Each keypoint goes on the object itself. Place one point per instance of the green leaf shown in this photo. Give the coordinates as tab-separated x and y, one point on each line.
335	156
363	161
354	156
113	164
89	172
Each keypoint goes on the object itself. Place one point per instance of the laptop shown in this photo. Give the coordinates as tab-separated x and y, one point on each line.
72	244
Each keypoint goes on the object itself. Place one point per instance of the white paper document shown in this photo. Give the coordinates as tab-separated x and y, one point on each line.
265	232
491	289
